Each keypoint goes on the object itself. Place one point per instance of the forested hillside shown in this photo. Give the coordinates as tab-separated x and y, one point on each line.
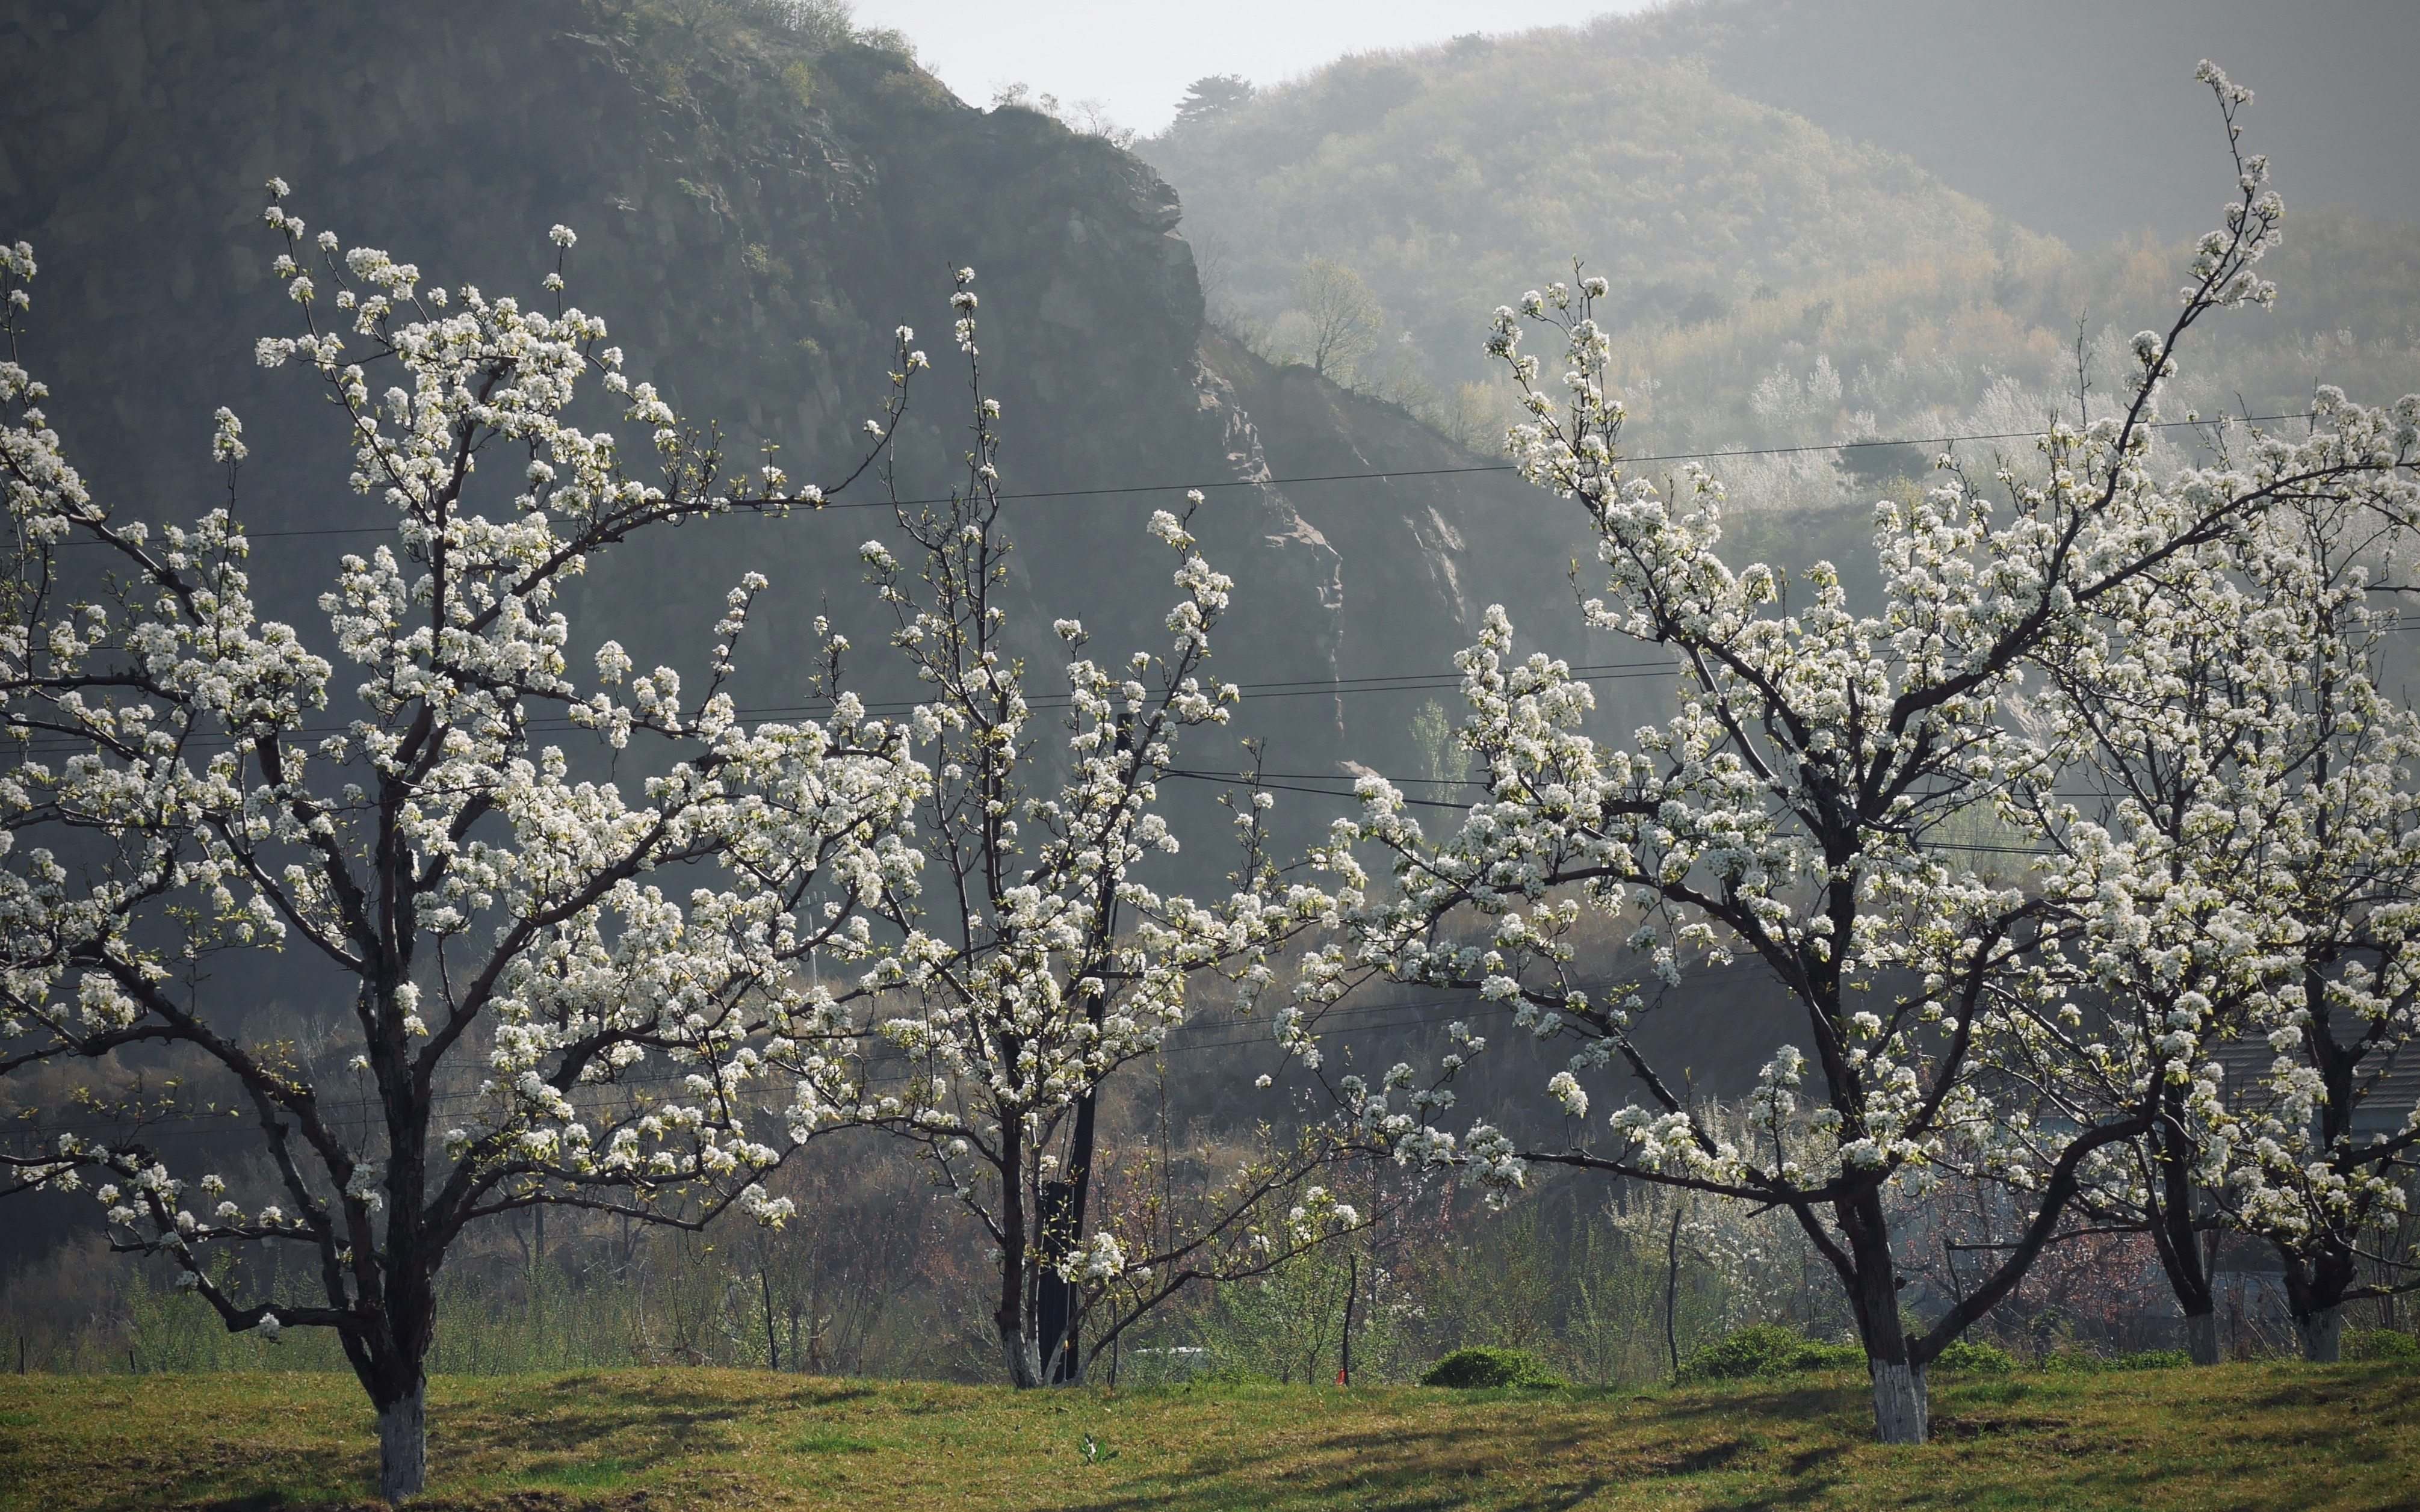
760	199
1823	223
1452	177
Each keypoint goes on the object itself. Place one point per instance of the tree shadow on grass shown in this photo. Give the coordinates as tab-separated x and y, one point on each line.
597	1432
219	1476
1446	1464
1698	1438
2328	1385
633	1434
284	1498
649	1395
1430	1496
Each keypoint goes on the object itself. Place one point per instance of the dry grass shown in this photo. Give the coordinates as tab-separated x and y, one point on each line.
2242	1437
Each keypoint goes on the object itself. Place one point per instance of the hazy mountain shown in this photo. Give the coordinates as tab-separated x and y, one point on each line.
1821	217
1452	177
2074	116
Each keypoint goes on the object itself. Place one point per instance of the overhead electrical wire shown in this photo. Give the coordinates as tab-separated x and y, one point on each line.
1111	490
1310	687
1266	690
1383	1017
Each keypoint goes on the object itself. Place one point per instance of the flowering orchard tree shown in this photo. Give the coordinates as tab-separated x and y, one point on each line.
2314	1155
1032	962
2248	836
528	1019
1796	810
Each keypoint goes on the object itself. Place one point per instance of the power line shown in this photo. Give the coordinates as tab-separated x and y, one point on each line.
1383	1016
1114	489
1310	687
1460	808
1317	793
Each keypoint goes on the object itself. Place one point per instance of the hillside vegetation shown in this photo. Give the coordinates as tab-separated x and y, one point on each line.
1995	344
1776	283
759	205
1451	177
2249	1437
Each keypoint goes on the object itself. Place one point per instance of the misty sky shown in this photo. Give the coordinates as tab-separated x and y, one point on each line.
1137	59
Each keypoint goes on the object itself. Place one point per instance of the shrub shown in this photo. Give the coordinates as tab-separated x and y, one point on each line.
2076	1359
1767	1350
1973	1357
1469	1369
1773	1349
2379	1344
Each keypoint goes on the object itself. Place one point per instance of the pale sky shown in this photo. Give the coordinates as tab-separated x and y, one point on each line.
1136	56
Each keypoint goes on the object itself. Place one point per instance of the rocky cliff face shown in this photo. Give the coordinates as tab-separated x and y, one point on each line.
1422	549
756	215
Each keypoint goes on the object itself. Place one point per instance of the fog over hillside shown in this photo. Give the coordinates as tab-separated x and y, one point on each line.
2063	114
1823	223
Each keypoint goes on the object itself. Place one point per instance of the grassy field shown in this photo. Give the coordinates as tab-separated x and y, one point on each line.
2240	1437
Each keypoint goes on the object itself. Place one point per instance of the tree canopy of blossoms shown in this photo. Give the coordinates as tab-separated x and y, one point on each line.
1799	808
1029	961
522	1013
2235	842
2305	1149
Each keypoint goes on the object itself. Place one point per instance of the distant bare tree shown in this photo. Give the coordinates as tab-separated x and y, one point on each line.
1342	316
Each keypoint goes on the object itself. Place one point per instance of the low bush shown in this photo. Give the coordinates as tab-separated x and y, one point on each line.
2379	1344
1767	1350
1473	1368
1773	1349
2075	1359
1975	1358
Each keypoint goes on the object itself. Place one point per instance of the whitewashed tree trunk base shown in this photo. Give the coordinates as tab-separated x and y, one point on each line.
2201	1337
1024	1357
1898	1403
403	1445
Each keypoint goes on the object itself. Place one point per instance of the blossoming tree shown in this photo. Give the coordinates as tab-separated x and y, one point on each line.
2313	1150
1031	962
2241	835
1799	808
528	1017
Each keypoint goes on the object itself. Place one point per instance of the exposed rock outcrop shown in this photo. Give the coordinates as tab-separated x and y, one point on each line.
755	216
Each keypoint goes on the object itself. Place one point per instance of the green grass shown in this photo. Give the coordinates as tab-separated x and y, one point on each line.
2243	1437
595	1475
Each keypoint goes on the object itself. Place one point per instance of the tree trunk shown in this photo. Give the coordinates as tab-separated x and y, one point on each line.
772	1340
1013	1320
2316	1280
1352	1294
1898	1382
403	1444
1054	1299
1672	1293
1023	1354
2180	1248
2321	1334
1899	1406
